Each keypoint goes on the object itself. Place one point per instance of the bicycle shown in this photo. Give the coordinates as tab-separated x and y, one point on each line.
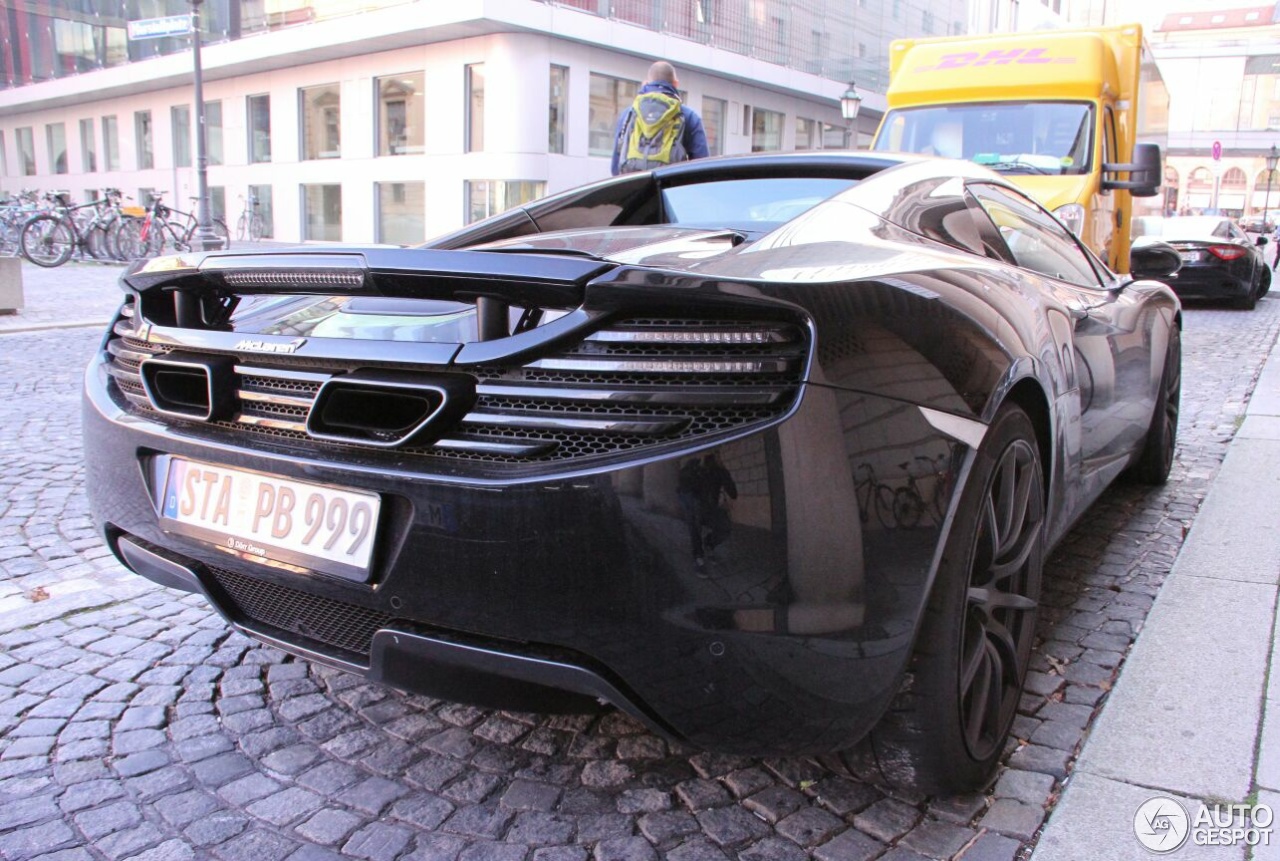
157	229
191	224
250	224
14	213
50	238
870	494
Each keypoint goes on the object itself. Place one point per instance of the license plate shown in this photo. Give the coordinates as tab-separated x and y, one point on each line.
1189	256
313	526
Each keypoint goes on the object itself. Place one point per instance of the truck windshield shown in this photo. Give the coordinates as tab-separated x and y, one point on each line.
1013	137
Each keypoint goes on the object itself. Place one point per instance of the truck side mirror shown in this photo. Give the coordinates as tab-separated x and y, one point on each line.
1145	172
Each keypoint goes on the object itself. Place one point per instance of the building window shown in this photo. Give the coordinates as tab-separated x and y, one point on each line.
142	140
401	114
807	134
322	212
926	21
213	131
110	143
487	197
217	202
713	114
834	137
259	109
180	119
475	109
558	103
56	137
609	98
321	109
88	146
26	150
266	212
766	130
401	212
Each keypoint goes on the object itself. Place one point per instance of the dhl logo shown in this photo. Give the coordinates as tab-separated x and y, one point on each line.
965	59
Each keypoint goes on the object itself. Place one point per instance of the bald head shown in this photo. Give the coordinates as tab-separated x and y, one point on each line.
663	72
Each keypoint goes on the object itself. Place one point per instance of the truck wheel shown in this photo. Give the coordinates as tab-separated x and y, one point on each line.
947	727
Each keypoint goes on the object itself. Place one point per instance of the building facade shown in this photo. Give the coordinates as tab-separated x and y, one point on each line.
397	120
1222	68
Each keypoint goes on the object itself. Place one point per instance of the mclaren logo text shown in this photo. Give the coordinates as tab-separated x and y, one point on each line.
253	345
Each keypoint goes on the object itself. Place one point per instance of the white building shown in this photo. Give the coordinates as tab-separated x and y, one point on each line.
414	117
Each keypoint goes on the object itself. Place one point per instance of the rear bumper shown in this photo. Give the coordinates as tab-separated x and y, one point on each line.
1212	282
551	595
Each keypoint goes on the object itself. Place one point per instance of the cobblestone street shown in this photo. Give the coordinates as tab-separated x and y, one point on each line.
134	725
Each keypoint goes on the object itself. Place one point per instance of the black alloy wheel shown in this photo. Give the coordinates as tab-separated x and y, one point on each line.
1156	459
995	645
946	728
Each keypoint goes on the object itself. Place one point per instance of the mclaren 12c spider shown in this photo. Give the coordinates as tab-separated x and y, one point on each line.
766	451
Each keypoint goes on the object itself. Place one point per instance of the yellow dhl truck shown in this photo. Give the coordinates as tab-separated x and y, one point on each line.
1074	117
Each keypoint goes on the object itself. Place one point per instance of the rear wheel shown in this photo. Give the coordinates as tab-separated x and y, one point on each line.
1264	286
947	727
1156	460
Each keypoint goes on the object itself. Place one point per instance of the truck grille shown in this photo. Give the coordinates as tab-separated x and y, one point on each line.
637	383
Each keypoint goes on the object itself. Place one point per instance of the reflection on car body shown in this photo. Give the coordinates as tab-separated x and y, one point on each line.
524	399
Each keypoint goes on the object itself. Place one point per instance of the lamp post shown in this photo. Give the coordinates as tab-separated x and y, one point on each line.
850	101
1272	157
204	238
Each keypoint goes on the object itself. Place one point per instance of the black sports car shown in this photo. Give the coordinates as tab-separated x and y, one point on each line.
749	447
1219	260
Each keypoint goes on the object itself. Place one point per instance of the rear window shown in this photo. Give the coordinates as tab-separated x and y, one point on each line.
762	202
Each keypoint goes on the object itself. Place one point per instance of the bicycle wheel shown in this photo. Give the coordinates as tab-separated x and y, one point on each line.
256	228
884	506
47	241
220	232
97	242
907	507
240	227
129	244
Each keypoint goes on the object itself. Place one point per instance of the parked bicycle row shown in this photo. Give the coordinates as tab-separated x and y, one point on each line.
49	229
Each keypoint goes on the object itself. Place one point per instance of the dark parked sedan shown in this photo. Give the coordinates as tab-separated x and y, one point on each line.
766	451
1219	260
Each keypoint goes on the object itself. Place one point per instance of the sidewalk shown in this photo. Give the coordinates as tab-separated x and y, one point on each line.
1192	714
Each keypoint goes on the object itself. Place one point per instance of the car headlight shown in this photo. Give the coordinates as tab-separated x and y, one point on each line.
1072	215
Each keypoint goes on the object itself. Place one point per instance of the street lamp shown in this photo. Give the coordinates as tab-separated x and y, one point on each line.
204	238
1272	157
850	101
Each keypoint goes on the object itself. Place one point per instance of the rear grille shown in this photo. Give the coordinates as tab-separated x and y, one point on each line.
638	383
322	620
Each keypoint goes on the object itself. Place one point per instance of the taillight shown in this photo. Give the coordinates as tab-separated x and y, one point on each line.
1227	252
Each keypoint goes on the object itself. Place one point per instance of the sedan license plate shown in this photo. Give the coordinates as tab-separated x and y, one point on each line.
1189	256
312	526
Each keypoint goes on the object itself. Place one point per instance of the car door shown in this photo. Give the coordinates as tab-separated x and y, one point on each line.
1103	339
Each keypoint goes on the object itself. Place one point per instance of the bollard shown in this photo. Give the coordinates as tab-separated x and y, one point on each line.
10	285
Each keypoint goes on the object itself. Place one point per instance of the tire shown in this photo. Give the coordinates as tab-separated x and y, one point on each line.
1156	459
884	506
256	228
946	729
1264	285
98	243
240	228
129	244
908	507
1249	300
47	241
219	230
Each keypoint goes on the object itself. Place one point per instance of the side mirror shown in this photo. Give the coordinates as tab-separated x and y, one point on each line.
1261	240
1146	172
1151	259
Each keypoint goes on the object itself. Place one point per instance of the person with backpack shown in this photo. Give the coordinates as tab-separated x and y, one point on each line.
657	129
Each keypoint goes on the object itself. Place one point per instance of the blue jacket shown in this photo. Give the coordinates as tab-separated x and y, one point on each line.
694	137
